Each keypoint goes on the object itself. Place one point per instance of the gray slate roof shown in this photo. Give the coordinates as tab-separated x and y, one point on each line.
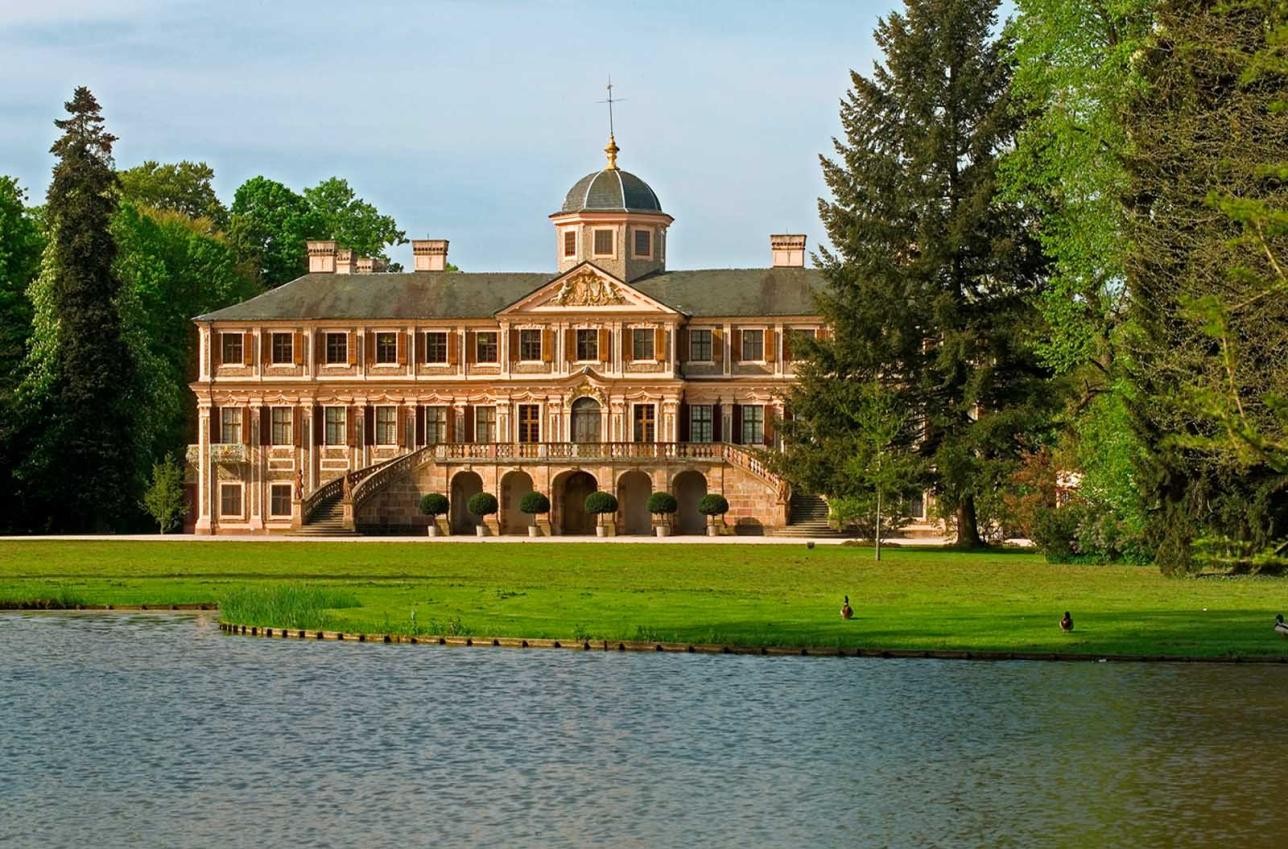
611	189
435	295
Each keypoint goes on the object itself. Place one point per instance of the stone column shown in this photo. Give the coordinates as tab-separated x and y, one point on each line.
204	524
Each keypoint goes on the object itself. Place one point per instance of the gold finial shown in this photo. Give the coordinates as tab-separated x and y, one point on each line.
611	150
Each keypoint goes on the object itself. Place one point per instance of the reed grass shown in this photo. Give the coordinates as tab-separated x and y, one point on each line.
284	605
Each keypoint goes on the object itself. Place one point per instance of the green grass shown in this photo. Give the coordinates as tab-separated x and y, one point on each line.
743	595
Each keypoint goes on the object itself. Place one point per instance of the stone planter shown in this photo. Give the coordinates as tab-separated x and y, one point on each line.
606	529
713	531
480	530
662	529
600	531
534	531
432	530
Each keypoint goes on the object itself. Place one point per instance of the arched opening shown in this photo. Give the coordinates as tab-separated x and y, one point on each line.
633	490
586	419
688	488
464	485
571	490
514	486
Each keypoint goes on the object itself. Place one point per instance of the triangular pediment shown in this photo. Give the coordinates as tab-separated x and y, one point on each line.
586	288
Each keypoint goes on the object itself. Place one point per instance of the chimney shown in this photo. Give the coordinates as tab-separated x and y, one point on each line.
365	265
344	261
429	254
788	250
321	257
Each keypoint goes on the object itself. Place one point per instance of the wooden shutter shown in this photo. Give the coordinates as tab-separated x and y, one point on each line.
717	345
368	425
570	345
547	345
420	425
248	348
319	347
683	430
628	344
265	425
214	425
297	426
369	349
787	344
717	423
605	341
471	347
824	333
351	348
402	348
735	346
659	344
468	421
771	346
319	425
450	412
248	438
402	423
418	347
514	346
735	424
351	426
266	351
216	350
767	432
453	339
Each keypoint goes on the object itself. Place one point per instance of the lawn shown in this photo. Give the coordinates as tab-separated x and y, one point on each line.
737	595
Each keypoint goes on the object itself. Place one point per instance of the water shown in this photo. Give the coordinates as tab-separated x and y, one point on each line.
157	730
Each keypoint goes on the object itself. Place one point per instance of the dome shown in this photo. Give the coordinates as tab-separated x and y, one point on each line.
611	190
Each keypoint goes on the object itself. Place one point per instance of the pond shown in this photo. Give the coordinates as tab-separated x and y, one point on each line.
158	730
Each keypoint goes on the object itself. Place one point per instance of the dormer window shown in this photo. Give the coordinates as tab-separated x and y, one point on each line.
643	244
604	243
570	243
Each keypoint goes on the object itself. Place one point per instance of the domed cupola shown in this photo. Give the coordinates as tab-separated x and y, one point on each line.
613	219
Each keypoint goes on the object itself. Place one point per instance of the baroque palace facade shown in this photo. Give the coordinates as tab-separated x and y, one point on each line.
336	400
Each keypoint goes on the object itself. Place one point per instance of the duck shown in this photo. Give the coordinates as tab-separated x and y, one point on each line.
847	612
1281	627
1066	622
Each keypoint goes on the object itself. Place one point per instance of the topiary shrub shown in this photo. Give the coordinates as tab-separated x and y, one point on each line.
482	504
600	502
434	504
534	503
713	504
662	504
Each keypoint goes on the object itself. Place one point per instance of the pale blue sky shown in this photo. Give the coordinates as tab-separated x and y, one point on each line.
465	120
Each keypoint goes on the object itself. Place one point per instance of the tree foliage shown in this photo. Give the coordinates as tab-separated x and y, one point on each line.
164	498
183	187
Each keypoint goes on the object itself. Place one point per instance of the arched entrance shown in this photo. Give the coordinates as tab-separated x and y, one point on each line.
514	486
586	419
464	485
571	489
633	490
689	487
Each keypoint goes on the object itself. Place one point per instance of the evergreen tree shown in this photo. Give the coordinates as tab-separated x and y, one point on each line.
932	283
1208	232
78	393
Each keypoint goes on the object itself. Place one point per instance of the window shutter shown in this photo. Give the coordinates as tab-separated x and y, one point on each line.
402	348
768	430
471	347
628	345
570	345
605	340
771	345
659	344
684	422
319	425
717	423
787	345
216	350
351	348
735	424
681	345
514	345
214	424
468	421
547	345
265	425
266	350
451	424
736	346
823	333
717	345
402	423
452	341
248	351
368	425
418	347
420	425
297	426
369	349
351	425
319	347
248	438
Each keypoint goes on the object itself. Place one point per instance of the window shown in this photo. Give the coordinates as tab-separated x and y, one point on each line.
282	419
642	344
570	243
753	346
645	423
529	423
436	347
485	347
337	349
335	421
587	345
604	243
643	244
485	424
230	426
283	349
230	499
917	506
279	499
386	425
753	424
530	345
700	346
231	348
435	425
700	423
386	348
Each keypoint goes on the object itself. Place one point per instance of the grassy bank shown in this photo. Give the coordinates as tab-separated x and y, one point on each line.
744	595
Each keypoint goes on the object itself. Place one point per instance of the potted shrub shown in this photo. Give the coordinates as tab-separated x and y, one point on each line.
604	505
434	505
535	504
483	505
663	506
714	505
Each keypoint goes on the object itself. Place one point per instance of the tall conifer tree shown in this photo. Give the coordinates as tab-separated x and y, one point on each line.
80	472
931	286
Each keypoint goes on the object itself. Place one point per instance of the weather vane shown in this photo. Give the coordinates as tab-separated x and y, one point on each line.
612	149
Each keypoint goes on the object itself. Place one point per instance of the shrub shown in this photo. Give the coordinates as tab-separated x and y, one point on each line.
434	504
713	504
482	504
600	502
534	503
662	503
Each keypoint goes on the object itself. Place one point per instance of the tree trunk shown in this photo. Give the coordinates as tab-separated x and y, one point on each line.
967	526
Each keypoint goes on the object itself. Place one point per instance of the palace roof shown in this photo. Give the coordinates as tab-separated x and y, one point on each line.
611	190
733	292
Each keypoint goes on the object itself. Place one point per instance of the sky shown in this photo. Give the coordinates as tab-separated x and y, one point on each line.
464	120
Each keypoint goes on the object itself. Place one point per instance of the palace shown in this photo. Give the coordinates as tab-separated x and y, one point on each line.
334	402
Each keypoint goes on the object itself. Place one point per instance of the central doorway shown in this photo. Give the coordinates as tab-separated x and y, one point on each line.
572	492
586	420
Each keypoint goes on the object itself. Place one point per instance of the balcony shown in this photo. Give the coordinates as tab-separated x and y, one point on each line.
227	452
542	452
